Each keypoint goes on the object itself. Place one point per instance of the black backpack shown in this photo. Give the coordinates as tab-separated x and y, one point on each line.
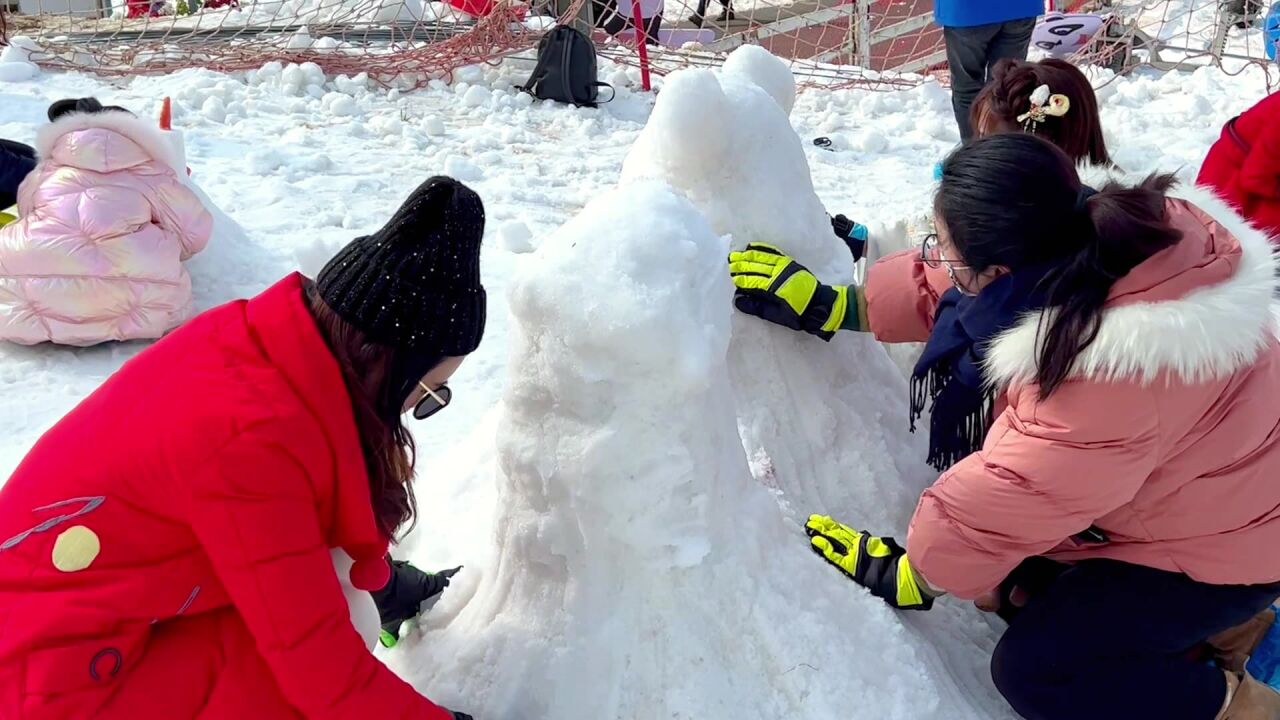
566	69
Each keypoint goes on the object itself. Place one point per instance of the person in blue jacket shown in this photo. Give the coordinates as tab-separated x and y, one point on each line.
978	34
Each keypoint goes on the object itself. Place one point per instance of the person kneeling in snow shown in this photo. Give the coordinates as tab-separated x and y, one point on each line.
104	224
1102	379
168	546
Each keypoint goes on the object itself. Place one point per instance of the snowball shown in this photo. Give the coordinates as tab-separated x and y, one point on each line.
19	50
433	125
313	73
340	105
300	40
17	71
213	109
476	96
871	141
764	69
462	169
515	237
293	77
470	74
387	125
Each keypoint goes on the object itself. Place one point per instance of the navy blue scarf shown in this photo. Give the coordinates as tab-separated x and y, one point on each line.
949	376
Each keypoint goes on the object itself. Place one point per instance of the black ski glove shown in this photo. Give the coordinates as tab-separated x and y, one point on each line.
461	716
404	595
853	234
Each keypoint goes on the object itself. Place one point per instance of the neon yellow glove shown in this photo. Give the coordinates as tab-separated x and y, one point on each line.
877	564
773	286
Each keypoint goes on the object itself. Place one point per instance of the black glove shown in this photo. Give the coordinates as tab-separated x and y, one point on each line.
461	716
404	594
852	233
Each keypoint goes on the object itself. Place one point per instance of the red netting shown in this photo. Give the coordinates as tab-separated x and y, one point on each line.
870	43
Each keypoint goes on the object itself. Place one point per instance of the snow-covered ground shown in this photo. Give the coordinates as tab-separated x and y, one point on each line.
593	448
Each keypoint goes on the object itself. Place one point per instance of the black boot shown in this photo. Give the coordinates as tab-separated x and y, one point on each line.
726	14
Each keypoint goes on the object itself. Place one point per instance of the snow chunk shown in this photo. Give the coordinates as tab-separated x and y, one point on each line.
339	104
871	141
462	169
17	71
476	96
515	237
433	125
213	109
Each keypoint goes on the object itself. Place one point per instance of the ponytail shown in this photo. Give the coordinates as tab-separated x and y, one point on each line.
1128	226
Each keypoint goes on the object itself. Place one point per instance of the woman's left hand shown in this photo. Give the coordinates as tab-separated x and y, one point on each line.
877	564
774	287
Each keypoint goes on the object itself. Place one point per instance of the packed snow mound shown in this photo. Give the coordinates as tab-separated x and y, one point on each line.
642	572
823	423
641	564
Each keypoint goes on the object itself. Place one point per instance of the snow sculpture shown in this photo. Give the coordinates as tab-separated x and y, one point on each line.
639	571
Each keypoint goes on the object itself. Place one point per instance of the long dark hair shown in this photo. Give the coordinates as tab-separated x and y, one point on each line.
369	373
1014	200
1008	95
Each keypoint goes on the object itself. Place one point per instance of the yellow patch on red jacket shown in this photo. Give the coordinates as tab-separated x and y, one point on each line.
75	549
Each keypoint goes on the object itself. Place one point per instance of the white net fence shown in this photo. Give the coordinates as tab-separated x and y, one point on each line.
870	43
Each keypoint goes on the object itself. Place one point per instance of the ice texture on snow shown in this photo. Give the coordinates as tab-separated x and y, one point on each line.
825	421
638	569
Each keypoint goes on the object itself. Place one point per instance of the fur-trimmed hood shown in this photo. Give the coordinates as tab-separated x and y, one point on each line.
107	141
1195	334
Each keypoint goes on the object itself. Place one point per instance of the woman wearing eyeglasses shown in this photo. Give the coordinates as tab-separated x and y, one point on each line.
1102	380
166	548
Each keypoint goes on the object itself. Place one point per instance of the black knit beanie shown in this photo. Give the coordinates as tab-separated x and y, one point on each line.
414	285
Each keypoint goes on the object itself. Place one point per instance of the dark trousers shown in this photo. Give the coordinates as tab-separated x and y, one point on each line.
973	51
16	161
1107	640
612	20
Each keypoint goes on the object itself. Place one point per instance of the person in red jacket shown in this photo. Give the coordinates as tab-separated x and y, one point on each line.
1243	166
165	548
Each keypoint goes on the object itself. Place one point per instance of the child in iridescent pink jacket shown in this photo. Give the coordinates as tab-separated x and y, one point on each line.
105	222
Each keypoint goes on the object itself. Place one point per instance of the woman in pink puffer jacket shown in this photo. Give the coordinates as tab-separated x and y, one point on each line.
105	222
1101	373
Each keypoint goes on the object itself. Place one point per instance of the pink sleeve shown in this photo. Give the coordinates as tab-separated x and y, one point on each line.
1048	470
179	211
902	294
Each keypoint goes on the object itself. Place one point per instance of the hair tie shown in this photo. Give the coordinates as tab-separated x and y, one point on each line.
1043	105
1082	198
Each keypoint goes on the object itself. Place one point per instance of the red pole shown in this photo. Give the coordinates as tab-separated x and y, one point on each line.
643	44
166	114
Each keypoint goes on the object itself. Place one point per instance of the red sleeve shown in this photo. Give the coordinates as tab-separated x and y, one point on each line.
1260	173
254	513
902	295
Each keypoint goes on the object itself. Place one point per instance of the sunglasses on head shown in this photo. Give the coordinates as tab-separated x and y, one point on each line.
432	402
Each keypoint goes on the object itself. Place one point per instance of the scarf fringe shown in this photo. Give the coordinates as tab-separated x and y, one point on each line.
951	442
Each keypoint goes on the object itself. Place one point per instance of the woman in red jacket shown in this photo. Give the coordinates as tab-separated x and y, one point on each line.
1244	165
165	549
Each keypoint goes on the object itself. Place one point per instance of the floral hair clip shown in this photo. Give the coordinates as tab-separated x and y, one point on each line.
1044	105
